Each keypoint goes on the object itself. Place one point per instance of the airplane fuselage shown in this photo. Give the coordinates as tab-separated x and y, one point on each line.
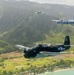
65	22
32	52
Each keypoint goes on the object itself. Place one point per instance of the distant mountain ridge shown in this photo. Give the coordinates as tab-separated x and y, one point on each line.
19	22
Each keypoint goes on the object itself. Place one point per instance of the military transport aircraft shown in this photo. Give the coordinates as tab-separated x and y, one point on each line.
34	51
64	21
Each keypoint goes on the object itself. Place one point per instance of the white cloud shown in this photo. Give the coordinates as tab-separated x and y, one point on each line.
69	2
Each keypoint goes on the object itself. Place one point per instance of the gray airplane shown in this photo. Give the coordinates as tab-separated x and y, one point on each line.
64	21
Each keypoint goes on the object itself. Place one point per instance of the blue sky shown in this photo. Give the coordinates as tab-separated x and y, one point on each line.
67	2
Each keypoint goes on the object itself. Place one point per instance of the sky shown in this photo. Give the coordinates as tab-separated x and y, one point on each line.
67	2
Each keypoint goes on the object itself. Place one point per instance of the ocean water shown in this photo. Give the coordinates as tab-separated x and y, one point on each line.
63	72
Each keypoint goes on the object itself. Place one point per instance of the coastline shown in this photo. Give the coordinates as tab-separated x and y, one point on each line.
57	71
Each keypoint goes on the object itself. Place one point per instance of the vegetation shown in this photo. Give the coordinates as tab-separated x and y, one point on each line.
5	47
19	65
28	27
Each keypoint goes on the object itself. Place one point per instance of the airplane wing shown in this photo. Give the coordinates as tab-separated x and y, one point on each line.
21	47
55	20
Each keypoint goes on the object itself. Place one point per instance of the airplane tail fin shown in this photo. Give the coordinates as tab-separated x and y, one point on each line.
67	42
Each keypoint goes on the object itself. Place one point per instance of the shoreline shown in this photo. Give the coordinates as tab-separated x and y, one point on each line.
57	71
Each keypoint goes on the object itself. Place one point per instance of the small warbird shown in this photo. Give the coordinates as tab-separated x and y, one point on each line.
41	48
39	12
64	21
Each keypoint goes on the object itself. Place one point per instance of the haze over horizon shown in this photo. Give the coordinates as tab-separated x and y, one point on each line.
65	2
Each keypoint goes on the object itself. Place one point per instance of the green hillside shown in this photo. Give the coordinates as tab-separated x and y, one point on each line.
5	47
21	24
